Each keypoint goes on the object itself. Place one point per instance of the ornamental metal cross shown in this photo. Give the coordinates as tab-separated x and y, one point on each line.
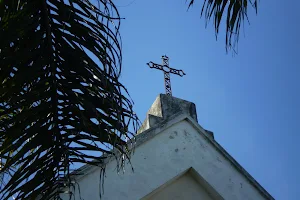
167	70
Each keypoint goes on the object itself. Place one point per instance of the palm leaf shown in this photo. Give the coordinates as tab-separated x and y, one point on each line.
236	13
59	94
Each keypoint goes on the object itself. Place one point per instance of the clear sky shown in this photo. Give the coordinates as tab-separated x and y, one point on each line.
250	101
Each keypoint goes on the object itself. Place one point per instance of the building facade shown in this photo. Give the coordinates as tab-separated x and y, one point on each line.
174	159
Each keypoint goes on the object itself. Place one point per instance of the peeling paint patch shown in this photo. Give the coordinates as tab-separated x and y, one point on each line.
186	133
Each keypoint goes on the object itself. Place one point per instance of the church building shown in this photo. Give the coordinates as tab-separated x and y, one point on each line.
174	159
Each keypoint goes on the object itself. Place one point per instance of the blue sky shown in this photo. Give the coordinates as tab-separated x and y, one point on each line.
250	101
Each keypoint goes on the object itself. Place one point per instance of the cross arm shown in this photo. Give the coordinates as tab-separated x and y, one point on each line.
154	65
176	71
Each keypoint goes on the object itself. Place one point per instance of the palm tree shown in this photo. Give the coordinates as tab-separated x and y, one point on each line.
60	96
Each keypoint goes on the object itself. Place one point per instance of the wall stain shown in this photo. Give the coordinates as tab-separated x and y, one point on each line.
186	133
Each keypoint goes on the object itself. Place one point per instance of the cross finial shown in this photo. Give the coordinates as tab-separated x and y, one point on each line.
167	70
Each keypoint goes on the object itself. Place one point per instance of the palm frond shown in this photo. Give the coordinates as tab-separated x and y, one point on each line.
235	12
60	97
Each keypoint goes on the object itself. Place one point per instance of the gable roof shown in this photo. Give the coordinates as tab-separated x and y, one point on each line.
167	111
158	128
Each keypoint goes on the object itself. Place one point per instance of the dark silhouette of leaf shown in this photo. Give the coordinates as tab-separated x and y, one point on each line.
60	96
236	13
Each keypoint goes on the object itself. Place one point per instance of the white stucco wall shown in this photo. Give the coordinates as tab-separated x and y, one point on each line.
161	158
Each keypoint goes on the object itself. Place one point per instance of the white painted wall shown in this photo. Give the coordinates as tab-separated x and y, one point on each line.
161	158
